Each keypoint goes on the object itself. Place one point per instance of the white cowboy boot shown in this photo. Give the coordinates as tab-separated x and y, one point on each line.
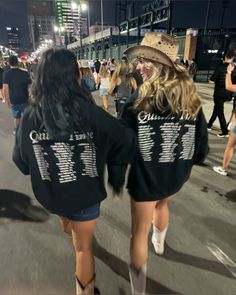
158	239
87	290
138	280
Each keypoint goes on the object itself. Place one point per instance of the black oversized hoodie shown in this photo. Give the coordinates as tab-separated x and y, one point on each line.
67	175
168	149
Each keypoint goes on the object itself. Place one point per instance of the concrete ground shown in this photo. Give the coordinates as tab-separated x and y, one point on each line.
36	258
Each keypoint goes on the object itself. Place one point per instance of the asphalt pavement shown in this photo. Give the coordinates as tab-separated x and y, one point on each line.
36	258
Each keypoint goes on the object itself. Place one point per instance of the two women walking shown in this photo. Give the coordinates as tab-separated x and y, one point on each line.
64	142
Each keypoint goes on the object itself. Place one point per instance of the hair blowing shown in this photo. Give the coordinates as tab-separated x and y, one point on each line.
169	89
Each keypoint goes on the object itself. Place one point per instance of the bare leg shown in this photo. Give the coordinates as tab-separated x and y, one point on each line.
161	214
16	122
142	213
229	151
105	102
82	233
66	225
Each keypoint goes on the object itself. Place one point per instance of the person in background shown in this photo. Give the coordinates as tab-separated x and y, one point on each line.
231	145
64	142
221	94
103	79
6	66
1	77
193	69
97	65
16	84
135	72
88	79
112	66
33	68
172	136
187	64
22	66
124	84
91	65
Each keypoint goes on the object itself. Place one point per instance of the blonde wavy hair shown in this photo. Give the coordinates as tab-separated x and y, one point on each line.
103	72
168	89
122	69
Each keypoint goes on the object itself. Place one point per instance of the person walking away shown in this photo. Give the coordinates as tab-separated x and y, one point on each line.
229	150
193	69
16	84
103	79
172	135
124	84
221	94
64	142
112	66
97	65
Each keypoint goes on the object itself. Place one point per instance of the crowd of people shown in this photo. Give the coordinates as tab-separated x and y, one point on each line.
64	141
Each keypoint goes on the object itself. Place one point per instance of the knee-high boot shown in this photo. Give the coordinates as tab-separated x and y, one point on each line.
138	280
158	239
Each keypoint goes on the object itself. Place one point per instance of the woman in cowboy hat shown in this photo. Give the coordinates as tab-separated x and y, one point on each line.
172	134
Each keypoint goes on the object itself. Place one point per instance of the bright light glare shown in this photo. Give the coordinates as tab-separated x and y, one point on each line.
84	7
73	5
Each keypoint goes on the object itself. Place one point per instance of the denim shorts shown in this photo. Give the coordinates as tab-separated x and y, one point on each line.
18	109
86	214
233	128
103	91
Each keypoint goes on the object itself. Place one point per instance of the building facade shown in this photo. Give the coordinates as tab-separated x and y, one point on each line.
41	21
112	41
205	38
14	39
70	20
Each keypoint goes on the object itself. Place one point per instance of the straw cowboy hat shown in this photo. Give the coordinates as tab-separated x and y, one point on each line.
84	63
158	47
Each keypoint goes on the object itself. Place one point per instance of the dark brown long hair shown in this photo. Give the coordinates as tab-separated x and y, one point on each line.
58	92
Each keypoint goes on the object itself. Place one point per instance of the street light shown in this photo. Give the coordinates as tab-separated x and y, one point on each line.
59	30
81	6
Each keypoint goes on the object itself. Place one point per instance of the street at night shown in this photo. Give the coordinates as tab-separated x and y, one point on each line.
117	142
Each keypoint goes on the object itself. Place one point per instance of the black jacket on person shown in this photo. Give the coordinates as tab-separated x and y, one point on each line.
97	65
67	175
218	78
168	149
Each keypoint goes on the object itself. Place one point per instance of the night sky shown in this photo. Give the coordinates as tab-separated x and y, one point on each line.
186	13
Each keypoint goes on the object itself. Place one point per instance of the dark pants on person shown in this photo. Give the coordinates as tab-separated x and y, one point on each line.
120	105
218	111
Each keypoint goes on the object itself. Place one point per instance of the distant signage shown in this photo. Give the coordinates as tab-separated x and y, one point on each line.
143	31
157	4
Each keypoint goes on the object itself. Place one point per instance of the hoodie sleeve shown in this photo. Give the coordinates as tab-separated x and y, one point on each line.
18	159
121	145
121	154
202	148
